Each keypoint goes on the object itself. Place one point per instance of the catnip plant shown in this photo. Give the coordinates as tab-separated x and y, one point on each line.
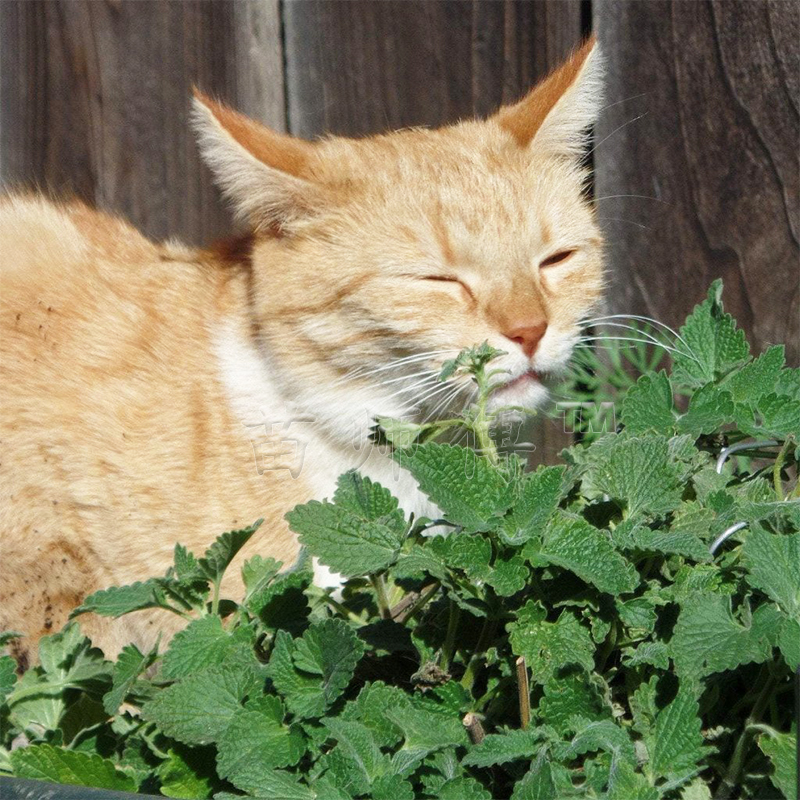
624	625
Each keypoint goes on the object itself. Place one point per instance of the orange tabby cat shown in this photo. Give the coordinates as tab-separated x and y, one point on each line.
153	393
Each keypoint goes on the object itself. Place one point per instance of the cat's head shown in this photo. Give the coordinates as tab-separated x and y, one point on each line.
376	259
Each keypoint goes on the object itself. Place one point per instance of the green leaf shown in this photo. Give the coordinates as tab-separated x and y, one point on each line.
8	676
537	784
781	749
281	785
654	653
198	708
130	665
677	744
463	788
400	433
118	600
365	498
789	642
709	409
757	378
603	735
500	748
710	344
217	558
508	576
775	416
647	406
638	614
424	732
392	787
549	646
359	745
624	783
203	643
186	773
257	574
311	672
257	741
538	497
46	763
708	639
370	708
574	544
639	472
773	566
470	491
346	541
570	696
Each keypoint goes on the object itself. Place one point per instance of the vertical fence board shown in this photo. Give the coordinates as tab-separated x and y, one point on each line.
95	99
714	160
356	68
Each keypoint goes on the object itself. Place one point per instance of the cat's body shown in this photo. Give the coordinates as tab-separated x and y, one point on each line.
153	394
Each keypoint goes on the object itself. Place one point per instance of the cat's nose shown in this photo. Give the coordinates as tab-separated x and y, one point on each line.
527	337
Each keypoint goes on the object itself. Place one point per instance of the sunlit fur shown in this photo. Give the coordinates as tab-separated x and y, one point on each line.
134	376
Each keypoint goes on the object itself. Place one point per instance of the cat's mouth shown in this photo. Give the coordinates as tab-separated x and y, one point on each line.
527	378
526	389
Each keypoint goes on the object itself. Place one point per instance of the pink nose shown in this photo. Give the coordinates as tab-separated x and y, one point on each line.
527	337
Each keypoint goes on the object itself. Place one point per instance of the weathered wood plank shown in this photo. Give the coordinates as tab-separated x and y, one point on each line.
95	96
362	67
709	177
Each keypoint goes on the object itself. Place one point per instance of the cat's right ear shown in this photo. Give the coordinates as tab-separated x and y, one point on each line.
261	171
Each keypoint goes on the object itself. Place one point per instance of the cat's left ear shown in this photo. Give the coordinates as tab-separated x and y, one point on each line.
556	114
264	173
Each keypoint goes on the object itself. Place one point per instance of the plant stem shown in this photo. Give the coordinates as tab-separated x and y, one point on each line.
450	636
524	691
379	585
403	615
486	634
346	612
731	778
778	466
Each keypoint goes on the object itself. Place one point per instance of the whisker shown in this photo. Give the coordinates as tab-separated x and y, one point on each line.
649	320
629	221
609	135
637	196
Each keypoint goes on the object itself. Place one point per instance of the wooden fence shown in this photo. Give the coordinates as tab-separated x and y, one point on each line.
696	152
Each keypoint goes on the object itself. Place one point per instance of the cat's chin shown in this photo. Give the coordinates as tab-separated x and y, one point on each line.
524	391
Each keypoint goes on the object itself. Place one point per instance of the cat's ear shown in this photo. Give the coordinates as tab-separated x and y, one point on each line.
555	115
260	170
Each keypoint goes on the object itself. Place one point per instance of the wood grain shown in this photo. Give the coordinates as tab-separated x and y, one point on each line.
356	68
95	99
709	177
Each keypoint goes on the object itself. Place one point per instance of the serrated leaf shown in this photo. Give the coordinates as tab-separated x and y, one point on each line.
278	784
198	708
549	646
677	744
773	566
638	613
201	644
654	653
46	763
574	544
708	639
345	542
781	749
537	499
789	642
424	732
370	708
257	574
401	433
570	696
186	773
257	741
118	600
647	406
364	497
392	787
604	735
775	416
500	748
217	558
710	344
311	672
638	471
358	743
624	783
463	788
709	409
470	491
537	784
757	378
8	676
129	666
508	576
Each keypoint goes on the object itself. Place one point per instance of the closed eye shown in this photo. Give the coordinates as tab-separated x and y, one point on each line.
451	279
557	258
